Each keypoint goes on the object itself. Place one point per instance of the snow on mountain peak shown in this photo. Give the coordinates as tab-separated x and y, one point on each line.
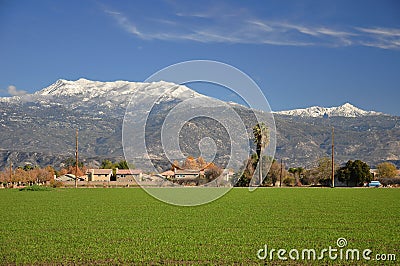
109	94
345	110
91	89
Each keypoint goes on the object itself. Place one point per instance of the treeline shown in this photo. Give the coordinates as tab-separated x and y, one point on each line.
27	175
353	173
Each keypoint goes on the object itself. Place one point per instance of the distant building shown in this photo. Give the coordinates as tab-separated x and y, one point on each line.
99	174
187	174
127	175
68	177
193	174
374	173
227	174
168	174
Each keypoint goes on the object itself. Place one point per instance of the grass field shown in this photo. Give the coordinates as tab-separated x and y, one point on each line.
125	225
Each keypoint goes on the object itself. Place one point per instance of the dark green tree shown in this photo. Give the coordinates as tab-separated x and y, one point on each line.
71	162
28	167
122	165
247	171
354	173
107	164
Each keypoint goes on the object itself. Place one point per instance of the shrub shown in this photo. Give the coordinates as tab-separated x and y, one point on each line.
36	188
390	181
289	181
56	184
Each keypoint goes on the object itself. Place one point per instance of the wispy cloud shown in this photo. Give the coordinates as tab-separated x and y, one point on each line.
124	22
13	91
381	31
242	27
384	38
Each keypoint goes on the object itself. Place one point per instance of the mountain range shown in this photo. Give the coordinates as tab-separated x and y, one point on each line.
345	110
39	128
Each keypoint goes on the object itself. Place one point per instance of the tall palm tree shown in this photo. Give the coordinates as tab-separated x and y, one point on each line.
261	139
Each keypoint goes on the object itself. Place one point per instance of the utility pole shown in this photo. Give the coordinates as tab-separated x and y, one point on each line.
333	157
76	155
280	176
10	171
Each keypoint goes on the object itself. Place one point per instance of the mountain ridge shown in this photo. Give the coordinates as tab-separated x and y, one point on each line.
345	110
83	86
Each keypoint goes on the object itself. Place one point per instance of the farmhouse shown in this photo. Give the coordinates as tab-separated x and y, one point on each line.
127	175
168	174
186	174
68	177
193	174
99	174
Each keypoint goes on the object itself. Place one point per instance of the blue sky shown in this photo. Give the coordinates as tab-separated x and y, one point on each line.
300	53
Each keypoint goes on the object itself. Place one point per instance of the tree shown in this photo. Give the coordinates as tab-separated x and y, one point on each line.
81	171
44	174
274	173
386	169
261	139
289	180
212	172
62	172
122	165
247	171
174	165
354	173
201	162
19	176
293	171
28	167
190	163
299	171
322	173
106	164
71	162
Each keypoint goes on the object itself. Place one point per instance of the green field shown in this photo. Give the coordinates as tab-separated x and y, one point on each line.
126	225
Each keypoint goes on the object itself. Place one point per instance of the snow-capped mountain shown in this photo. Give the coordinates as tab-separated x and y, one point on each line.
345	110
92	89
111	95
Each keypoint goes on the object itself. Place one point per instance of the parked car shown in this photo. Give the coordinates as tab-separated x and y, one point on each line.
374	184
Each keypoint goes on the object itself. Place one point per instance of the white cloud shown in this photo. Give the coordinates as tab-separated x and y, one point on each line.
13	91
233	26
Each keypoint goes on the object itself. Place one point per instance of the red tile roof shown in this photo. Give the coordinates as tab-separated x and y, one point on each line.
129	172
